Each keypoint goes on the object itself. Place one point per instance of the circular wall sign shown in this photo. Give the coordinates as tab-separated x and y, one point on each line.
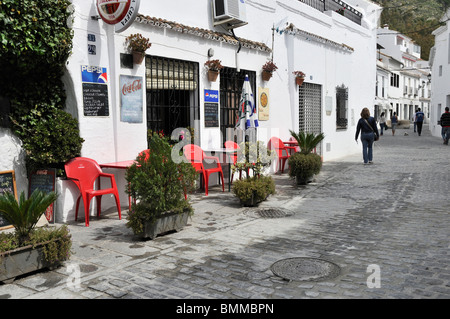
120	13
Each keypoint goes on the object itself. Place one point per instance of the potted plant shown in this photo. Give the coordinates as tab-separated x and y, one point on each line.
253	190
138	44
305	164
213	67
158	185
28	249
267	70
299	77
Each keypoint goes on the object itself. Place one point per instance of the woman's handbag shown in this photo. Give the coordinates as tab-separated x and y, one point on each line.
375	136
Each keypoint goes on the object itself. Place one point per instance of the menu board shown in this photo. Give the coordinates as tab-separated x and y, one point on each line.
211	115
95	99
7	184
43	180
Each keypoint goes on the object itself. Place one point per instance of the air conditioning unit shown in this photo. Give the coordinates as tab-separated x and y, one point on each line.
229	12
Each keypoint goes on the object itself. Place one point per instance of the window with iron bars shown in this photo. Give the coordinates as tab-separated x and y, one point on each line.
341	107
172	94
310	110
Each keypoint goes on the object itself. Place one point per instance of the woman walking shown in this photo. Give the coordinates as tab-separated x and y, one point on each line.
369	133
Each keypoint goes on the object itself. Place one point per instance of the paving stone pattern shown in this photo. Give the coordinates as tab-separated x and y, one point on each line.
393	214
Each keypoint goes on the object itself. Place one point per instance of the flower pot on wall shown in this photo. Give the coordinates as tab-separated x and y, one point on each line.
299	81
266	75
212	75
138	57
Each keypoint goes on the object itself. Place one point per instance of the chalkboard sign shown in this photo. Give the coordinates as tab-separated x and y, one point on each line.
43	180
95	99
7	184
211	115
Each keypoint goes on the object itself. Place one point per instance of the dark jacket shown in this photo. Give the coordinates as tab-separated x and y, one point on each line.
364	128
445	119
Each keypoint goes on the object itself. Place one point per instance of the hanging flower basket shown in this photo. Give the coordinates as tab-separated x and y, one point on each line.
138	44
299	77
268	69
138	57
266	75
213	67
212	75
299	81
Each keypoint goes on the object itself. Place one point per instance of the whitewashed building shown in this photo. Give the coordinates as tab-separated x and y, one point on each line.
332	42
409	87
440	68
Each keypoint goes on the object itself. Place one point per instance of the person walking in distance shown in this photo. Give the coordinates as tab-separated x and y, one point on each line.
369	133
382	122
445	123
419	119
394	122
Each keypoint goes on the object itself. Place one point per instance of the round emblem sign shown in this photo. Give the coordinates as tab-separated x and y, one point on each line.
120	13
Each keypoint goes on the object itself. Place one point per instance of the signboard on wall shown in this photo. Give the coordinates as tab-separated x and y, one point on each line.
44	180
263	104
95	90
120	13
211	98
131	99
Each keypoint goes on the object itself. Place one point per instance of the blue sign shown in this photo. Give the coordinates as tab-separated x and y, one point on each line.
212	96
93	74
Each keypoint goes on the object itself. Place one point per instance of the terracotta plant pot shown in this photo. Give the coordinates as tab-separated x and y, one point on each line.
212	75
299	81
138	57
266	75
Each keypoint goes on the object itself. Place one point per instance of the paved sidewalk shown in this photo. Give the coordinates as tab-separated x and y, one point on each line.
393	215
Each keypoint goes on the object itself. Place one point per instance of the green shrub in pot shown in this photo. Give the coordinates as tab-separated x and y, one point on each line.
158	185
305	164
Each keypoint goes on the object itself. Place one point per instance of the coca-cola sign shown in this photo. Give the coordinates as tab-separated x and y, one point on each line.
120	13
131	87
131	99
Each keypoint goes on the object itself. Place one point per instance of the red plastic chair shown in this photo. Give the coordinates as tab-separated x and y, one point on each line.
195	154
234	146
277	145
83	172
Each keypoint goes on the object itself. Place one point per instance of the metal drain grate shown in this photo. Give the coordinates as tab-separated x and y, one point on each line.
268	212
305	269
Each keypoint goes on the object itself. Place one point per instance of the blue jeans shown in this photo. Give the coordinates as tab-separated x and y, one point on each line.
447	134
367	142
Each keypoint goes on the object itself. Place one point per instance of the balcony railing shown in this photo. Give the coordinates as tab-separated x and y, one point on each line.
335	5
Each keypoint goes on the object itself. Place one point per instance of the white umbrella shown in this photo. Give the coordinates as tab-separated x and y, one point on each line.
247	109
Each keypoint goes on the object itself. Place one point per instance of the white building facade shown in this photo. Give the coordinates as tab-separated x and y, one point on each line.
440	67
332	42
409	86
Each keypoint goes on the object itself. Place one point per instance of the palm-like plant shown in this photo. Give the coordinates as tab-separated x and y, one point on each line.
307	141
25	213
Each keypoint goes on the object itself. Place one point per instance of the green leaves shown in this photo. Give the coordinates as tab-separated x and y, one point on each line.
25	213
307	141
158	184
35	44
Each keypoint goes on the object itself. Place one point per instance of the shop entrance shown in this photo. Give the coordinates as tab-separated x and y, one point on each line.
231	83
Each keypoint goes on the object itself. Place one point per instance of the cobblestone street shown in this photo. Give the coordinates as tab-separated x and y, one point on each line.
393	214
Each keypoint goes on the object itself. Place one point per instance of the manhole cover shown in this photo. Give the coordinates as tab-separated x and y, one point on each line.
268	212
305	269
